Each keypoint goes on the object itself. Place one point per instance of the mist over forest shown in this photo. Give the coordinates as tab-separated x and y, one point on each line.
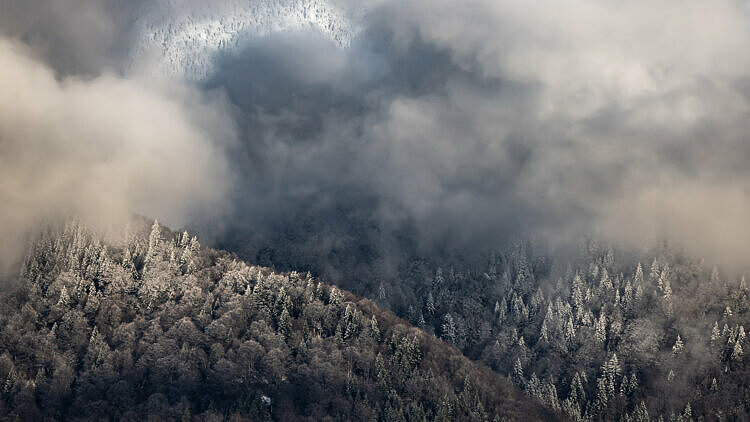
559	191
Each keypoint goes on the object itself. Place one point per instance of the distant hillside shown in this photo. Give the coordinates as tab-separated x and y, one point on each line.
158	327
185	38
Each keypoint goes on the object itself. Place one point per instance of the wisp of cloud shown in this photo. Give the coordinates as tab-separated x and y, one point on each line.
101	149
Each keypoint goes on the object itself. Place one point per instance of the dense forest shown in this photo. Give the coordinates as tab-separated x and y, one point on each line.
599	339
407	210
157	327
599	334
152	324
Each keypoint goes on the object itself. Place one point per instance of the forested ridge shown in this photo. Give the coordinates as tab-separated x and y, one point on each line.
597	332
605	335
155	326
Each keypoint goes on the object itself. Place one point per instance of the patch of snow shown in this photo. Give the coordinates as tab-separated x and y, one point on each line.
182	37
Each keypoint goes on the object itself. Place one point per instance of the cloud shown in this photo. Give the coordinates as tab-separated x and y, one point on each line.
440	125
482	121
626	103
74	36
103	148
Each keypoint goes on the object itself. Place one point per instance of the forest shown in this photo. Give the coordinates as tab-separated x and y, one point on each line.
599	333
151	325
421	210
600	339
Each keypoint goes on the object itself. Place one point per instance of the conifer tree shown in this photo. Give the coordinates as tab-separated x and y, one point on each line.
517	375
374	329
430	304
64	299
439	280
655	272
449	329
335	297
154	240
737	351
285	323
600	332
678	346
715	333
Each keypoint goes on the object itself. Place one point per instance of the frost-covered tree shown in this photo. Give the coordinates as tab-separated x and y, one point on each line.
600	329
737	351
449	329
64	298
678	346
517	374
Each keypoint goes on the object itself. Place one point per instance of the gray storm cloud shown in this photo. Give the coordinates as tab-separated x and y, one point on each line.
101	148
469	123
486	119
635	114
73	36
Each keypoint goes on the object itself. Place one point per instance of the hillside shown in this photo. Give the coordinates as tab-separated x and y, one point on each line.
599	333
158	327
606	334
185	38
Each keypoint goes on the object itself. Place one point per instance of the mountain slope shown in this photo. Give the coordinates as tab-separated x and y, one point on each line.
183	40
158	327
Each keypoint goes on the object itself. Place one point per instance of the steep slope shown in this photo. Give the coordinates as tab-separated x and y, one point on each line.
606	335
183	38
158	326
